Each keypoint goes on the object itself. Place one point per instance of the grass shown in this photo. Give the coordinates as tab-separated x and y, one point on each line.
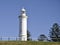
28	43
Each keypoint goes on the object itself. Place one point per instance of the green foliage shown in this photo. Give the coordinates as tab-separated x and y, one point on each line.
42	37
28	43
28	36
55	32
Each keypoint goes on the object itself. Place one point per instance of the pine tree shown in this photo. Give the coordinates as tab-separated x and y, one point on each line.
28	36
55	32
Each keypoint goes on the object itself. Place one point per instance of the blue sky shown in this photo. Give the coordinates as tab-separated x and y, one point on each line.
41	16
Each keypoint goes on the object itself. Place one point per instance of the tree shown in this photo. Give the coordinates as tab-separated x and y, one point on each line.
42	37
55	32
28	36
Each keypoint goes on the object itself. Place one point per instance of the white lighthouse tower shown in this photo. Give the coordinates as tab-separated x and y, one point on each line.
23	25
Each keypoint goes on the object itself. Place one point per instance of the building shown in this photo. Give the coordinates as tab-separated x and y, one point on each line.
23	25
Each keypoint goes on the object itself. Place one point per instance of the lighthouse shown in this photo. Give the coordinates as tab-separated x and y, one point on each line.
23	25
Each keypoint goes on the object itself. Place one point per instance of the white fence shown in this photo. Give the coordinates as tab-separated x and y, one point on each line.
18	39
9	38
13	39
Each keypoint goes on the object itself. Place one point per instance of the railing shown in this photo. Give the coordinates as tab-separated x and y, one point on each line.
14	39
18	39
9	38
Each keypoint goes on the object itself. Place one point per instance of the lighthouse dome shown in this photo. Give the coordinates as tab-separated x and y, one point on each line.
23	10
